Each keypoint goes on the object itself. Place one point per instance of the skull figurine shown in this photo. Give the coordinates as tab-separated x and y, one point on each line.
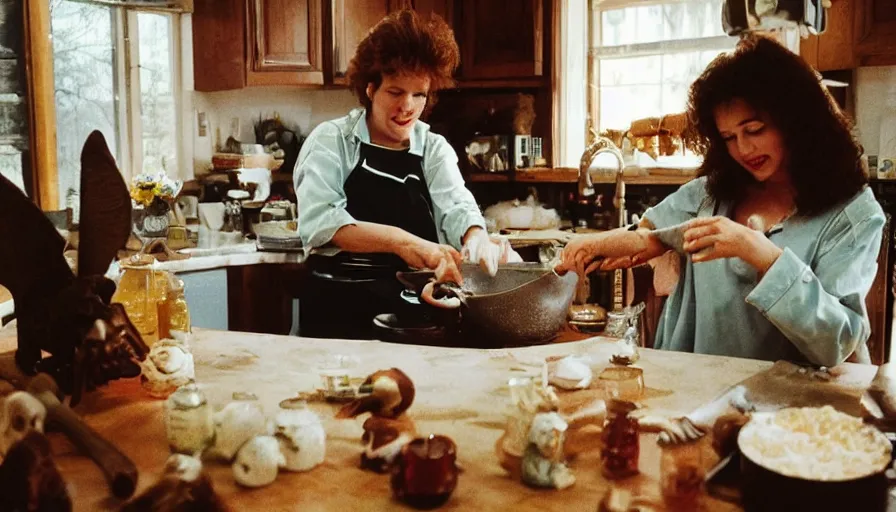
22	413
257	462
302	439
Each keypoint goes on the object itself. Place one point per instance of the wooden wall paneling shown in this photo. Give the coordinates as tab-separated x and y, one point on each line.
41	103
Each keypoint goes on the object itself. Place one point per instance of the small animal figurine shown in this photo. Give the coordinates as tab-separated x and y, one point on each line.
543	464
29	479
183	487
389	393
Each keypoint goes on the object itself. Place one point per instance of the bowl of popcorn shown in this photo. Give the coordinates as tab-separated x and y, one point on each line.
813	458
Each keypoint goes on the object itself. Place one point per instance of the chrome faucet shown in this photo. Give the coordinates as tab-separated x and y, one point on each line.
600	145
586	189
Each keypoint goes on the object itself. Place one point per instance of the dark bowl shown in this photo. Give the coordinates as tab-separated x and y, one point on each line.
768	491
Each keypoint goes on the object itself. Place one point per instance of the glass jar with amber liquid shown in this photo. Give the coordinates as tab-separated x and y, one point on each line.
621	446
173	313
140	290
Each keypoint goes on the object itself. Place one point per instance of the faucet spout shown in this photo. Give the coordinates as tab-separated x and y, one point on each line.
598	146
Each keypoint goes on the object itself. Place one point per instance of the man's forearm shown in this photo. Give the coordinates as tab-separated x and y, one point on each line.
367	237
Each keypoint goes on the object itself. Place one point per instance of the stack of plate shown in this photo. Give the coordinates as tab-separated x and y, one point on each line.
279	243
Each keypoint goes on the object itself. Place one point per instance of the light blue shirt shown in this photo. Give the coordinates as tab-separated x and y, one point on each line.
809	306
331	152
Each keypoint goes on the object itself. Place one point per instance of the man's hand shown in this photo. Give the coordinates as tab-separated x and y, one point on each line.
423	254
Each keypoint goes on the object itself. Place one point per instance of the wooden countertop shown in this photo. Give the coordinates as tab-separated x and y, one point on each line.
461	393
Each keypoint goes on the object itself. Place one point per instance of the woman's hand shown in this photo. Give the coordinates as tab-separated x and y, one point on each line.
488	252
423	254
711	238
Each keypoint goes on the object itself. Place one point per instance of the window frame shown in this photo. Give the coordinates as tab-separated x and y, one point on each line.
42	102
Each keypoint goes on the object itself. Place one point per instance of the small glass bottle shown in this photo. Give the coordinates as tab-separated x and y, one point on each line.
189	422
174	315
621	446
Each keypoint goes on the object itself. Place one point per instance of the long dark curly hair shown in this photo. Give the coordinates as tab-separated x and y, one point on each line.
404	43
823	155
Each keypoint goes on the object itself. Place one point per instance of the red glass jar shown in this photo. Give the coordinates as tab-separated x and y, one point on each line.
621	446
425	474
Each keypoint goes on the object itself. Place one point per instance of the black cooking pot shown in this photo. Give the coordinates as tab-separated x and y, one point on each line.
763	489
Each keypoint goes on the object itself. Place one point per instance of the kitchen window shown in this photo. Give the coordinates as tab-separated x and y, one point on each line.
116	69
643	57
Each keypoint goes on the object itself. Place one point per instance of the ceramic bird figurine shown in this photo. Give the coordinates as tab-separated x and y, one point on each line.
388	395
89	340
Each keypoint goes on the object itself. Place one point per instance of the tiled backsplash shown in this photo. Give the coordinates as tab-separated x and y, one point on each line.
299	109
875	94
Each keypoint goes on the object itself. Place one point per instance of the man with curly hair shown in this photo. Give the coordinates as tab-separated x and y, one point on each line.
779	234
383	190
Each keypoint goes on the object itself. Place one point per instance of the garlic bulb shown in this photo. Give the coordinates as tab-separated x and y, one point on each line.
235	424
257	462
302	439
569	373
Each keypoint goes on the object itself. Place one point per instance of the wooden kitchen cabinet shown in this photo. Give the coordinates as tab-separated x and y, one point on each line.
875	32
835	48
287	37
239	43
859	33
501	39
352	20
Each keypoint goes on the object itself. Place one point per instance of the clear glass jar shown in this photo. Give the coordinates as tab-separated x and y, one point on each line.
140	290
189	422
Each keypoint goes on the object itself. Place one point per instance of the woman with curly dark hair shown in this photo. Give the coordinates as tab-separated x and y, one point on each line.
778	235
382	192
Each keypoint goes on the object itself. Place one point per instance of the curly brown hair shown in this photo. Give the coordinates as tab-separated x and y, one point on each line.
823	155
404	43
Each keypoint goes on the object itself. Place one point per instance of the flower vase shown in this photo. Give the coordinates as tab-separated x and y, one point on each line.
154	222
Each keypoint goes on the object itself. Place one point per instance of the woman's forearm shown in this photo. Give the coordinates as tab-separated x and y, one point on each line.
367	237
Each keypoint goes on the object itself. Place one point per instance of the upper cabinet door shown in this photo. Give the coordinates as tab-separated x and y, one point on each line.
352	20
287	38
502	39
876	32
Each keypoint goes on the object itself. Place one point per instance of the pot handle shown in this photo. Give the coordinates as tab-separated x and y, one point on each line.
450	296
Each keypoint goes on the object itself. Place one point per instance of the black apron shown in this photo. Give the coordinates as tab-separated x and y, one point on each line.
346	291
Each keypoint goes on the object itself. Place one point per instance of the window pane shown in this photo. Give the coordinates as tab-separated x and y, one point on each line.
11	165
631	71
157	106
664	22
84	81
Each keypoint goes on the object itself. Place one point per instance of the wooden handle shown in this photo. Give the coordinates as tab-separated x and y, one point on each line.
120	471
